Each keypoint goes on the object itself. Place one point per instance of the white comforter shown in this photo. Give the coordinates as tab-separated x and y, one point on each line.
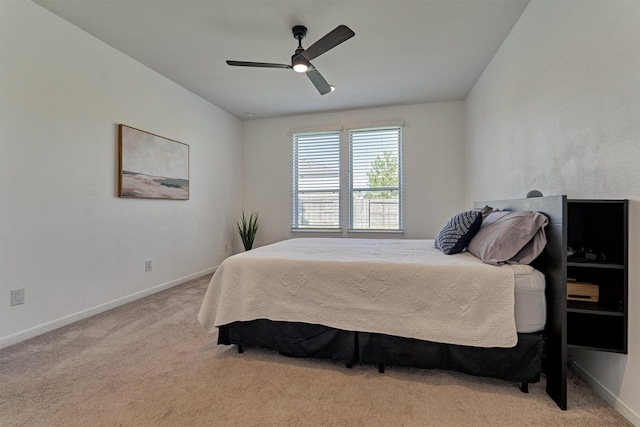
397	287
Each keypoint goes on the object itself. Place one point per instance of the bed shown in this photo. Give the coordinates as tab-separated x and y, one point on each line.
399	302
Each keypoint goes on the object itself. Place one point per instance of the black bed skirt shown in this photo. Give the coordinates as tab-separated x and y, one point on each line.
522	363
293	339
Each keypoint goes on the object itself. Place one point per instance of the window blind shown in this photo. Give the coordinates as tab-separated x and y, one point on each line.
316	180
375	178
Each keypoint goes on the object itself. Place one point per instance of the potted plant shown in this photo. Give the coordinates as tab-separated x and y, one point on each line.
247	228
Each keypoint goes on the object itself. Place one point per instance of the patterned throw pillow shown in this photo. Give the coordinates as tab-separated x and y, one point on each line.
458	231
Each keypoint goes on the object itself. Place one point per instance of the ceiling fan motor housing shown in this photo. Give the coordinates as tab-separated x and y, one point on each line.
298	63
299	32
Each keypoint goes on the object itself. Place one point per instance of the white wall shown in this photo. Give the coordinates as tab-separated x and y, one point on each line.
558	110
433	152
65	237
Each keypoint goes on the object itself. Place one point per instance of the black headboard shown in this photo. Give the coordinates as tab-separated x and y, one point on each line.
553	263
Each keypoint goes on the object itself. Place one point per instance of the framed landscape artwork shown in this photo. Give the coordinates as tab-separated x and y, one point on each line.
151	166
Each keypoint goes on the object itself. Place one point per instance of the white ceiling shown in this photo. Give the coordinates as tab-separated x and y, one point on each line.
404	51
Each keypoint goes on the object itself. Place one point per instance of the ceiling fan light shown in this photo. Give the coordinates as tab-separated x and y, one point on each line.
300	68
332	87
300	65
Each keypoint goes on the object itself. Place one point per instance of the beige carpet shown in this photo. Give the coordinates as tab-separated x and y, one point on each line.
149	363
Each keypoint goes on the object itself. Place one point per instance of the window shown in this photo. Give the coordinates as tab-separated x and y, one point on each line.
374	182
316	180
348	177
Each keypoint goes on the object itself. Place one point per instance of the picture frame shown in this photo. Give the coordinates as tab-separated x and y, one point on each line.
151	166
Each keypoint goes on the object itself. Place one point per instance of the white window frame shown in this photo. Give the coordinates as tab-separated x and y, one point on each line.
296	226
350	174
345	207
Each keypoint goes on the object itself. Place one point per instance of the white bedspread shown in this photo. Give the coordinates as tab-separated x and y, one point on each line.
398	287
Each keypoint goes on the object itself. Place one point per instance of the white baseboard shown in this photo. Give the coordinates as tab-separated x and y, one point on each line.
66	320
606	394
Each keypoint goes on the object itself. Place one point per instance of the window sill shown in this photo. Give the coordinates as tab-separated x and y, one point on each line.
378	234
316	231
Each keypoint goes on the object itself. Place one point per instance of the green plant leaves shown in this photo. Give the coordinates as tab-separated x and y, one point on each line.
247	228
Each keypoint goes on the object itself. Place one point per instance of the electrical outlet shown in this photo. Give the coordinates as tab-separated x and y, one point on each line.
148	266
17	296
226	247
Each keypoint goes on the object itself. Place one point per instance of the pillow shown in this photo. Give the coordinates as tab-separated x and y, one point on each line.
458	231
486	211
510	237
531	250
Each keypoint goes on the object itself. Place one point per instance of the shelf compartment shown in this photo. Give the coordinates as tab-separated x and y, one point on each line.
611	287
598	228
586	330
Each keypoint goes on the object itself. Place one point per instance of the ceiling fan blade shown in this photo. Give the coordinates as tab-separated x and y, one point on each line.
340	34
257	64
318	81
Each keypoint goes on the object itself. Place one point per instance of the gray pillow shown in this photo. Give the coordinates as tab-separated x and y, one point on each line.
486	211
531	250
458	231
510	237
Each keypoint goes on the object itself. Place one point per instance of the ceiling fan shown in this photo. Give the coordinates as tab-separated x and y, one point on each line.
301	57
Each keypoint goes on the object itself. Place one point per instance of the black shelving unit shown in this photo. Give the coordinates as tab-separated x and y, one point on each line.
597	239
